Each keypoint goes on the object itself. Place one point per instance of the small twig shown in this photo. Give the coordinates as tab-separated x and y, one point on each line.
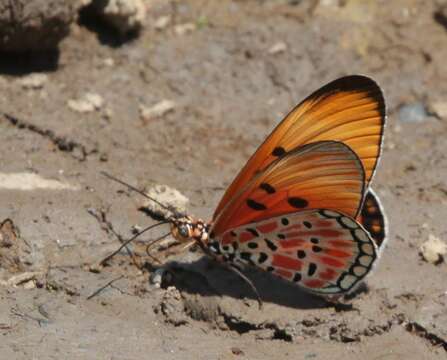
61	142
104	287
107	226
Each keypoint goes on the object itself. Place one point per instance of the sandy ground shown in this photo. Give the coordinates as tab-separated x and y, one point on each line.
229	92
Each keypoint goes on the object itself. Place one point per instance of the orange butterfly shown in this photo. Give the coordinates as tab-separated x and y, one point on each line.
302	207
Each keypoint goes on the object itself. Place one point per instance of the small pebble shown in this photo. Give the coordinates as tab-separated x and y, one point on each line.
107	114
277	48
29	285
413	113
167	196
87	103
162	22
95	268
108	62
157	110
438	109
160	276
123	15
33	81
237	351
433	250
136	229
183	29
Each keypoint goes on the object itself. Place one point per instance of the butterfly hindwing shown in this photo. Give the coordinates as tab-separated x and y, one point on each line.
373	219
323	175
323	251
350	110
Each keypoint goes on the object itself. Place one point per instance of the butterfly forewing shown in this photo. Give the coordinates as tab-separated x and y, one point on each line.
323	251
350	110
323	175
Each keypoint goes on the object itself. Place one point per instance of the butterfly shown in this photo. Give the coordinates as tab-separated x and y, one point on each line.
302	207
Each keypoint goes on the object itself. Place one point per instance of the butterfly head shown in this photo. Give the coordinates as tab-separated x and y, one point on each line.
186	228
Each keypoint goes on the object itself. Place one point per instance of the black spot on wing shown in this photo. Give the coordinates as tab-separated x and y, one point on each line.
247	257
253	232
269	189
254	205
297	277
285	221
270	245
297	202
262	257
307	224
278	151
316	249
301	254
311	270
252	245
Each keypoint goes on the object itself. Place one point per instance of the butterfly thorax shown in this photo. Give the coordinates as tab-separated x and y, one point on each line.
187	229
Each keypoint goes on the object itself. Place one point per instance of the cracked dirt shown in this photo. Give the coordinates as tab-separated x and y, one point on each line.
229	89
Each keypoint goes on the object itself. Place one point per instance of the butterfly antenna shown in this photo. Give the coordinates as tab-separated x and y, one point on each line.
131	187
152	243
125	243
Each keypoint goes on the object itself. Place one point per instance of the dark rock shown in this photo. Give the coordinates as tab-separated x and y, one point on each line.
35	25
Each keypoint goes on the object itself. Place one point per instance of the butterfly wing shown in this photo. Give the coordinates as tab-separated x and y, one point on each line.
373	219
323	175
350	110
323	251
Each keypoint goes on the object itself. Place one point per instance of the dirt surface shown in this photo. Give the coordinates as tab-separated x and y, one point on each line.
230	86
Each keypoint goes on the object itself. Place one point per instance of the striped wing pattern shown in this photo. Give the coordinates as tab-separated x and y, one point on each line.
323	175
350	110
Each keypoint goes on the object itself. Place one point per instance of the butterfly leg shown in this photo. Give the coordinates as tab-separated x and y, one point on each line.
235	269
178	249
164	274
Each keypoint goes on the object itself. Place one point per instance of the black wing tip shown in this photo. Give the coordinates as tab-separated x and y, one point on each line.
361	83
357	83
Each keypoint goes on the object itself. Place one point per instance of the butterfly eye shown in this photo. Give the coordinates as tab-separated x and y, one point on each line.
183	231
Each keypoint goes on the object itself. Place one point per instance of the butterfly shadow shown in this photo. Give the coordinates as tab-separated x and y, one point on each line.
25	63
107	34
208	278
